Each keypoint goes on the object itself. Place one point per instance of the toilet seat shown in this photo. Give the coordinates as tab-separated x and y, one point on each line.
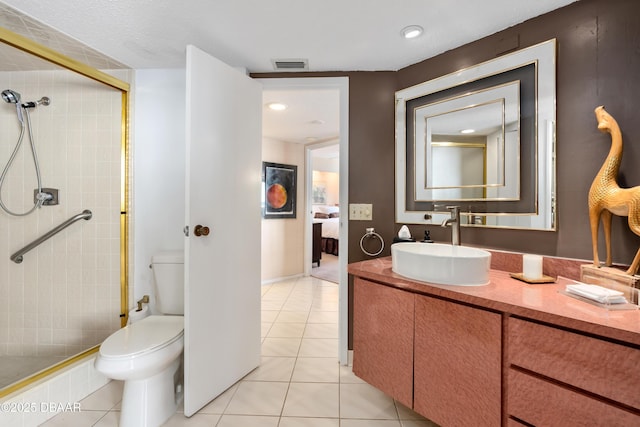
147	335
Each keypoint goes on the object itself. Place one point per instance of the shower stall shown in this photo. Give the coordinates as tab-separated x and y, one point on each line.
63	293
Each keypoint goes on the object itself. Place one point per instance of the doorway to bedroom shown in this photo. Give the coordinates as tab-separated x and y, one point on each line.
295	237
325	208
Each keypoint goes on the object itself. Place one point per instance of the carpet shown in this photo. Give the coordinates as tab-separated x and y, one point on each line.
328	269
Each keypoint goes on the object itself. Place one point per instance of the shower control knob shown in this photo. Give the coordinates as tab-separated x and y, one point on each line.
201	230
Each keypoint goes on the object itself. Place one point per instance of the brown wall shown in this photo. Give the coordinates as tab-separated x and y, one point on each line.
598	44
598	57
371	151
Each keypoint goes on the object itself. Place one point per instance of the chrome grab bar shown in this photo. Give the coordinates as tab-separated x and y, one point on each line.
17	257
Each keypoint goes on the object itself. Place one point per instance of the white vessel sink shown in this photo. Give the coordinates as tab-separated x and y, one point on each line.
441	264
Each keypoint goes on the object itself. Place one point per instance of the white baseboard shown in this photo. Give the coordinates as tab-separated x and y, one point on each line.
281	279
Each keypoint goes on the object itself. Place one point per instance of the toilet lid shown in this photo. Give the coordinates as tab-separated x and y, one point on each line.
148	334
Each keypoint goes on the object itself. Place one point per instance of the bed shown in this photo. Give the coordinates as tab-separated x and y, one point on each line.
329	216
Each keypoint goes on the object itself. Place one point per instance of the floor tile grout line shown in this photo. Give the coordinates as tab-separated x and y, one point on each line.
296	364
301	337
100	419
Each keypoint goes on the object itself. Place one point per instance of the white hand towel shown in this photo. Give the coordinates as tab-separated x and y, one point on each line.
597	293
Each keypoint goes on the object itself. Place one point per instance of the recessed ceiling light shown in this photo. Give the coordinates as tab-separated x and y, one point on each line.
277	106
467	131
412	31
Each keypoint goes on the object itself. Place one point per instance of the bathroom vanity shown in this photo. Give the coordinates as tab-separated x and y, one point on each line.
507	353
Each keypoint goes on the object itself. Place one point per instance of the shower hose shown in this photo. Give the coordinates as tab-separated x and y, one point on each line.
41	196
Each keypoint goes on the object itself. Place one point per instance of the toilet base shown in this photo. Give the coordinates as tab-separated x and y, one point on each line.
150	402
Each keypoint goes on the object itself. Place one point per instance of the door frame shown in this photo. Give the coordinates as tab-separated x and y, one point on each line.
342	85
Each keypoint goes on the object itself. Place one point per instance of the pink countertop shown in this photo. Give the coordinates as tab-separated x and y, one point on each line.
540	302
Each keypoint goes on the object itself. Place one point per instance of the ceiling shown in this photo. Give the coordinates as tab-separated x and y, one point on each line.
311	116
331	35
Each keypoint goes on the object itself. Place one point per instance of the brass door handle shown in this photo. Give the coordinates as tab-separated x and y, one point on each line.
201	230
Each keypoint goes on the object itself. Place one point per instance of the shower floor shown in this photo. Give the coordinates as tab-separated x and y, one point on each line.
15	368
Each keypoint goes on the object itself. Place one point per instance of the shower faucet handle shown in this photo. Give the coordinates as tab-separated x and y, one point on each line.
201	230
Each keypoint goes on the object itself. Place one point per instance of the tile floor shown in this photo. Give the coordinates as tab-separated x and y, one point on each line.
299	383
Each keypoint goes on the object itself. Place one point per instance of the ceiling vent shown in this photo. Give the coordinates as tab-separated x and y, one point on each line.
290	64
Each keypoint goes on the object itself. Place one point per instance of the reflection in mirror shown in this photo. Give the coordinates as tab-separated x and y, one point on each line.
489	118
482	138
468	162
66	296
462	173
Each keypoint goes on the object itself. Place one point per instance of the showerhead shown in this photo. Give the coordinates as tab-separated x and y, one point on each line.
10	96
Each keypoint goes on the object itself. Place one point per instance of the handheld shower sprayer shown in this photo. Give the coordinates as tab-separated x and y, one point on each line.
13	97
41	197
10	96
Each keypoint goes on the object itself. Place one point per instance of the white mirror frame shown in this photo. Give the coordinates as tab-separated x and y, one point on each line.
544	56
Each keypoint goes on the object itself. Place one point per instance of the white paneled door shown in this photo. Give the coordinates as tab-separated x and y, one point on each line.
222	268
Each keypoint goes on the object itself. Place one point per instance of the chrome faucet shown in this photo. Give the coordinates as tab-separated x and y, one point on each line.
454	221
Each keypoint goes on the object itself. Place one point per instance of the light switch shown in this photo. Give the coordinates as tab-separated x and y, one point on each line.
361	211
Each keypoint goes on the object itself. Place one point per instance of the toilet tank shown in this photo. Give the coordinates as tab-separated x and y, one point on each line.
168	281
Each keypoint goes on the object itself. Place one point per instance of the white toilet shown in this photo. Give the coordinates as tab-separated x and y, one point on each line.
147	354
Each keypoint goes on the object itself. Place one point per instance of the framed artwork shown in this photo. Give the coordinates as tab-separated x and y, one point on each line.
279	190
319	193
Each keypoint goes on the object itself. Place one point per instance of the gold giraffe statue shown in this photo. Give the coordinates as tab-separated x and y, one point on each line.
606	198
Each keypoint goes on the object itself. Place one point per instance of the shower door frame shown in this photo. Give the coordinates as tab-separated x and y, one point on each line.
30	47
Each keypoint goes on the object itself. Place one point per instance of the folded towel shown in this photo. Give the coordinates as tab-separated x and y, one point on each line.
597	293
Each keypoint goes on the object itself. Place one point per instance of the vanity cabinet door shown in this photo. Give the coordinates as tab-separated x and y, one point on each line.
458	361
383	338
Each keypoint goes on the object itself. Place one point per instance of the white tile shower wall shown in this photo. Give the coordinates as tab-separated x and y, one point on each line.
65	296
47	399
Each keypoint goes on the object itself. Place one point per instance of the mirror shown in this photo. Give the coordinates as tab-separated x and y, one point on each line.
483	139
67	295
468	141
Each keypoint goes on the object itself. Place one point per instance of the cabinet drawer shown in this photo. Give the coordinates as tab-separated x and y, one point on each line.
604	368
541	403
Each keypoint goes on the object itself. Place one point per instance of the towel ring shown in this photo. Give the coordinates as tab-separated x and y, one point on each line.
371	233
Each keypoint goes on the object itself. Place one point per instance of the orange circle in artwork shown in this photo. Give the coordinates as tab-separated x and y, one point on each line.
276	196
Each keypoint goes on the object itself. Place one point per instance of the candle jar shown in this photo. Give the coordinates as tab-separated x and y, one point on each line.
532	266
